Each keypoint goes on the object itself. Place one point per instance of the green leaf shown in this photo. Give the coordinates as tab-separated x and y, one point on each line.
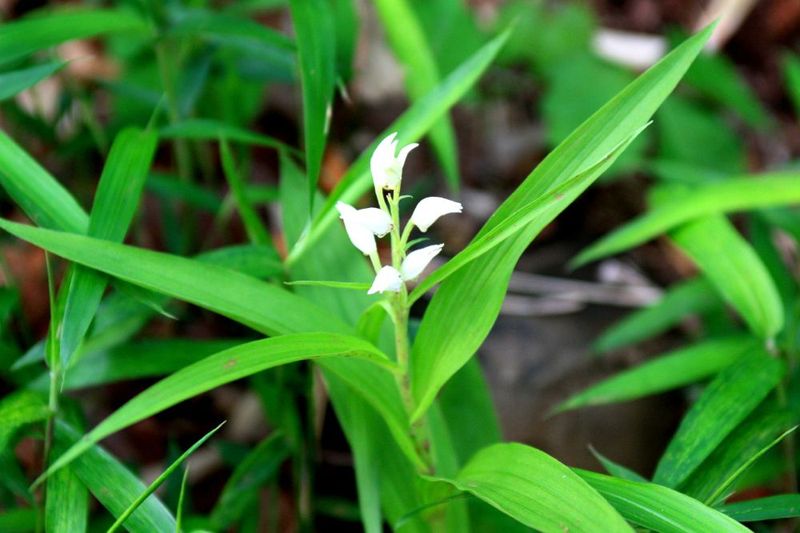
410	45
734	194
45	29
615	469
658	508
316	50
451	331
769	508
211	130
535	489
413	124
695	296
669	371
67	504
264	307
352	285
115	204
724	404
171	188
734	268
14	82
115	486
18	409
791	72
159	480
255	229
220	368
38	193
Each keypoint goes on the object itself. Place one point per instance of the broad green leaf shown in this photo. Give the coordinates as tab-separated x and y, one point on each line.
256	231
210	130
535	489
316	43
159	480
769	508
616	469
694	296
659	508
756	434
14	82
724	404
451	331
734	194
115	486
38	193
220	368
262	306
411	47
669	371
67	504
733	267
413	124
115	204
22	37
243	486
546	206
17	409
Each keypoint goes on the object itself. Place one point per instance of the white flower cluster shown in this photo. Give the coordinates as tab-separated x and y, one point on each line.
363	225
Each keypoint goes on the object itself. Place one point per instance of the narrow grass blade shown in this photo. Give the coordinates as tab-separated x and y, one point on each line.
220	368
730	195
256	231
695	296
14	82
316	50
412	49
451	331
37	192
769	508
67	504
181	500
160	479
735	269
22	37
658	508
616	469
203	129
726	402
669	371
115	486
115	204
536	490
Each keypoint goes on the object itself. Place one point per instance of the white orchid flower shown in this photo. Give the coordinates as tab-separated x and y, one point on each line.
418	260
387	279
376	220
387	163
360	235
429	210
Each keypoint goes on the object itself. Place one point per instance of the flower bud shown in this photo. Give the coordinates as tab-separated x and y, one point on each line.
429	210
386	163
418	260
387	279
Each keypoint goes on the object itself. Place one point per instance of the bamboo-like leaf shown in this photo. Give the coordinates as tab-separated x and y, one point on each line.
220	368
616	469
316	50
726	402
669	371
210	130
658	508
412	49
67	504
115	204
14	82
535	489
256	231
412	125
731	264
451	331
769	508
734	194
22	37
115	486
695	296
159	480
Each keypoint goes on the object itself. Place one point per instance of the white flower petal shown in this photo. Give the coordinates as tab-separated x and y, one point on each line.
429	210
361	236
376	220
418	260
387	279
387	165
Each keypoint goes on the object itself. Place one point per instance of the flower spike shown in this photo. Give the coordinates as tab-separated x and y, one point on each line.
418	260
386	163
387	279
430	209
